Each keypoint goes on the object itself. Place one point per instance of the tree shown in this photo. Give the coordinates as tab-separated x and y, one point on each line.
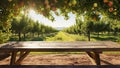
115	26
12	8
87	28
99	27
19	26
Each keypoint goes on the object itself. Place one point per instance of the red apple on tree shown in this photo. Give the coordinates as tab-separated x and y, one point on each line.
105	1
9	0
55	1
46	2
54	8
21	4
110	9
51	4
110	3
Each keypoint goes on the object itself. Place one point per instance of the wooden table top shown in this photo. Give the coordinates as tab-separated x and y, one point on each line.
67	46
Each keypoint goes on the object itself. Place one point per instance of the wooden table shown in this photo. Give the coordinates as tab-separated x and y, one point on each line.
93	49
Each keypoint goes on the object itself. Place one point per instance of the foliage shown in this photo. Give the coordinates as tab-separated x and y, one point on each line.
87	27
92	8
106	37
25	25
4	36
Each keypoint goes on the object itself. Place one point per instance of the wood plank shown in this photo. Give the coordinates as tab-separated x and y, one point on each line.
22	56
94	57
59	49
21	53
13	58
63	46
93	49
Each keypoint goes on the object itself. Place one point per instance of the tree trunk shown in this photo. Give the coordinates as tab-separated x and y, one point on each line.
33	35
30	34
108	32
19	35
98	34
38	34
79	33
115	33
88	35
24	35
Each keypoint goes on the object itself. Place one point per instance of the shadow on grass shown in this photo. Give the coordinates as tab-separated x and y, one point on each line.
105	39
40	38
43	37
37	39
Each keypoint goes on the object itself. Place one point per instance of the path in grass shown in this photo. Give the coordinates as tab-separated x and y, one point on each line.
62	36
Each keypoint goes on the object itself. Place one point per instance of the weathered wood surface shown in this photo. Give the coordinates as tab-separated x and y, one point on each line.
21	58
93	49
94	57
13	58
62	46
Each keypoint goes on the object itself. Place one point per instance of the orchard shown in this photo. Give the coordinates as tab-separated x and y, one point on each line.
10	9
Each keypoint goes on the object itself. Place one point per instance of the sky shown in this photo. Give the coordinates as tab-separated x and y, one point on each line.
59	20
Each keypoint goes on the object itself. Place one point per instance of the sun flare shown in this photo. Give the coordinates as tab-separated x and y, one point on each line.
33	15
59	20
32	12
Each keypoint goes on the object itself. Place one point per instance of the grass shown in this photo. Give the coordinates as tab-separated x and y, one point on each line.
29	38
106	37
62	36
15	38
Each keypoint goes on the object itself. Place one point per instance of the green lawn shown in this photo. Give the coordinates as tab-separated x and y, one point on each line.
62	36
